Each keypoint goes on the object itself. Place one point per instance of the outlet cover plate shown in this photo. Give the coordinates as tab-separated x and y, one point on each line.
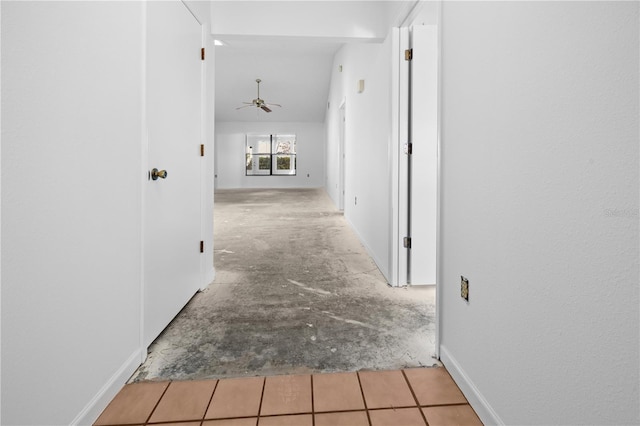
464	288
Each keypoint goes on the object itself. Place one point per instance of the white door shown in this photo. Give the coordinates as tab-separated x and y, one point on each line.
423	173
343	123
172	205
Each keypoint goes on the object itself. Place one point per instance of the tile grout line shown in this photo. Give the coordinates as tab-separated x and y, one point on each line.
157	403
312	413
406	379
451	404
304	413
264	385
215	387
313	406
364	400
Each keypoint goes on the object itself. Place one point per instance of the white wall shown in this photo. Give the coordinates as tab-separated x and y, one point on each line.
200	9
339	20
71	205
73	166
367	141
540	209
230	154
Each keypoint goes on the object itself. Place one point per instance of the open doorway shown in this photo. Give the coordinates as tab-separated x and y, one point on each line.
272	259
295	292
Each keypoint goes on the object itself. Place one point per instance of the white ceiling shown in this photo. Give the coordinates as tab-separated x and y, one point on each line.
294	74
290	46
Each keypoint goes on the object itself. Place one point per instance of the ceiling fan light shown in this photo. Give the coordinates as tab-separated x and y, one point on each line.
258	102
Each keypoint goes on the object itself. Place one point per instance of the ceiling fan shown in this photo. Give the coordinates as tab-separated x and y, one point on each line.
259	103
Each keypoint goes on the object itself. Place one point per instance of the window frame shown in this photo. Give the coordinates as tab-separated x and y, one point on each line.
275	153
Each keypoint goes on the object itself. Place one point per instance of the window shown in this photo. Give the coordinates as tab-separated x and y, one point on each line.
269	155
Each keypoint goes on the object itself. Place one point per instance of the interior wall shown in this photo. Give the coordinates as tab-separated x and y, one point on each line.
349	19
332	128
71	205
540	209
230	155
367	141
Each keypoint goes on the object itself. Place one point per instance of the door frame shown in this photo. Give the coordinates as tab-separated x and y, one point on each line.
398	160
398	164
342	114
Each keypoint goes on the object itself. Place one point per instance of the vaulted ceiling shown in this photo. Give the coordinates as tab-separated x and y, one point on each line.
290	46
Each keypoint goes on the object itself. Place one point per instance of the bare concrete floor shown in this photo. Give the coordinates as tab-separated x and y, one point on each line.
295	292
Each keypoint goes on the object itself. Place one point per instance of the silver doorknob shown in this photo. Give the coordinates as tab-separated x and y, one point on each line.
155	174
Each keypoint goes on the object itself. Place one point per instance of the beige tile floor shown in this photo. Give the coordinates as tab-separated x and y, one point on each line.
419	396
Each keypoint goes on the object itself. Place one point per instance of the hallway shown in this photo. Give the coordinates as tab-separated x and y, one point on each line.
295	293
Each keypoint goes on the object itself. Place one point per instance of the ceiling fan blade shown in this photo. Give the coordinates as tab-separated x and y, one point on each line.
278	105
245	106
265	108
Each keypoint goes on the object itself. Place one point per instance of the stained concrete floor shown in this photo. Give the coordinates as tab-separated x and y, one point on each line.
295	292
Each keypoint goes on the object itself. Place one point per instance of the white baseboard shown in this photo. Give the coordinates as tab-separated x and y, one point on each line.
99	402
482	408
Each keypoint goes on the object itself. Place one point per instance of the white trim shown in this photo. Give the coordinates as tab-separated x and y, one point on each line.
0	222
393	155
191	12
481	406
208	251
439	184
409	13
403	161
99	402
144	168
342	143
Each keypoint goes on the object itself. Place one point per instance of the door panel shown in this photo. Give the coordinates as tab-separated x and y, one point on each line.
424	158
341	186
172	205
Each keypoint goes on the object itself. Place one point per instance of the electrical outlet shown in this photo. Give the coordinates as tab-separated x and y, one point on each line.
464	288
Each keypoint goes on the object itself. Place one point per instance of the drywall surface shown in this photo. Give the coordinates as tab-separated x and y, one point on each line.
348	19
71	204
200	9
540	209
367	143
337	100
230	155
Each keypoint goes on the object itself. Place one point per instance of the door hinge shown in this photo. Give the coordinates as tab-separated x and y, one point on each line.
201	246
201	150
408	148
202	53
408	54
406	242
